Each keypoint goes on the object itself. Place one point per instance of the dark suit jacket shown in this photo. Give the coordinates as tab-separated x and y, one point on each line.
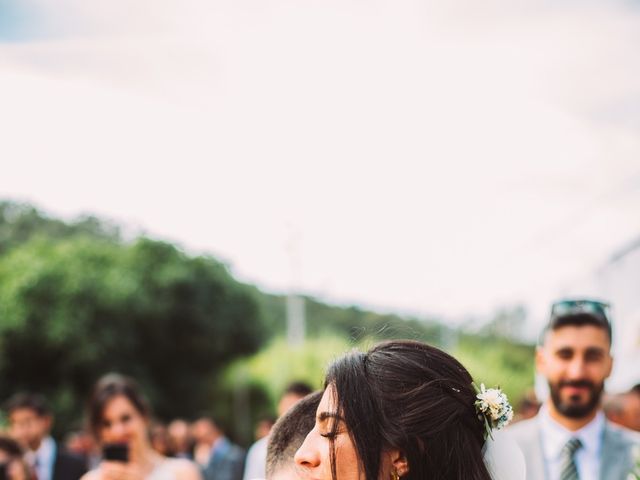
68	466
226	463
617	443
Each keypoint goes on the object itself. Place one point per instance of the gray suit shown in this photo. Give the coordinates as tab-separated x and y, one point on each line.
226	463
616	462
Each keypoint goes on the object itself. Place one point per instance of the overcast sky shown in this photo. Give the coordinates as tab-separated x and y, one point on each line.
439	158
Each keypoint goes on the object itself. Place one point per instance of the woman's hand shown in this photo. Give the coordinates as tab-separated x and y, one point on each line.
120	471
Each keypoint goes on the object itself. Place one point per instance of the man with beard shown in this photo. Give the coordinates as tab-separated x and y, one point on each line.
570	439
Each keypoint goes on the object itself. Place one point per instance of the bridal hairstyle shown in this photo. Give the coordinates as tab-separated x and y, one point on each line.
410	396
106	389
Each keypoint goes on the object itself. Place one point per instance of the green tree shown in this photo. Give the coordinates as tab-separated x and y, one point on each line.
74	309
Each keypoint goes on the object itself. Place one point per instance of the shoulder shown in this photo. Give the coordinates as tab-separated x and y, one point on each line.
182	468
259	447
621	435
236	451
524	430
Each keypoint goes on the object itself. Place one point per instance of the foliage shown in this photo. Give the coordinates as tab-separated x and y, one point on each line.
496	361
21	222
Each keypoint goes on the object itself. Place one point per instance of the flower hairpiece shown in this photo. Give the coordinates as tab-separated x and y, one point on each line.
493	407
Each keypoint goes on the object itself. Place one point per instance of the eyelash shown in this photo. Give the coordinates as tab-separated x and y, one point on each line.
329	435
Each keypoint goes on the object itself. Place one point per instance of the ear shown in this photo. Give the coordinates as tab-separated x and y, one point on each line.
399	462
610	366
540	363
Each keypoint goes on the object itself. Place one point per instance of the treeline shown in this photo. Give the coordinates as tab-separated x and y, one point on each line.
78	300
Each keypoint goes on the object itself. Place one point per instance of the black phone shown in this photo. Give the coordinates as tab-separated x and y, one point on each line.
4	474
115	452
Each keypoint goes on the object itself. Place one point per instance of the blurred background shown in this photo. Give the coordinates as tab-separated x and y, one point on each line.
219	197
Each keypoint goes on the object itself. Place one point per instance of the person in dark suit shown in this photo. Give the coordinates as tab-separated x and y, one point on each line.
570	438
221	460
30	421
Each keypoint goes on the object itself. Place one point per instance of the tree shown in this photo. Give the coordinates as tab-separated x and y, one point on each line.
77	308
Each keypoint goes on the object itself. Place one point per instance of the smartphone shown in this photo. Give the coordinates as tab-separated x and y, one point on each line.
4	474
116	452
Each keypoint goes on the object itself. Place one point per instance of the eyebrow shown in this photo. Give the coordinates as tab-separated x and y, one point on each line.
322	416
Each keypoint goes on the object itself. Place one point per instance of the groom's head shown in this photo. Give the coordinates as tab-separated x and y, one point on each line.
575	356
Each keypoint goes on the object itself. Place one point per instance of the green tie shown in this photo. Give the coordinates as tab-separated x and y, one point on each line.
568	471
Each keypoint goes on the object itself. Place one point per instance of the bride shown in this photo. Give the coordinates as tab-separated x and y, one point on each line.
406	410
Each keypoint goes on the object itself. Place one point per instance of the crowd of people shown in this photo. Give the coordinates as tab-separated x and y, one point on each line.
402	409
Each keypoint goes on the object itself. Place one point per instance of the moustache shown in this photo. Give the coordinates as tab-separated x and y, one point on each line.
577	384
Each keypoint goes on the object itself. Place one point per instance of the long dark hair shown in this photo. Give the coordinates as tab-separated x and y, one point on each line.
107	388
414	397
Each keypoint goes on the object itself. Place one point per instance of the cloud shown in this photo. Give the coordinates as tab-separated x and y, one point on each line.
436	157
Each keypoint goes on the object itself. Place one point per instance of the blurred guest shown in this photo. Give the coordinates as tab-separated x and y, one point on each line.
83	445
219	458
119	419
12	464
527	408
287	436
570	438
263	427
624	408
159	438
180	441
257	455
30	421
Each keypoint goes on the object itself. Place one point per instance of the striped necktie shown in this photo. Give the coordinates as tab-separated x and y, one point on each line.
568	470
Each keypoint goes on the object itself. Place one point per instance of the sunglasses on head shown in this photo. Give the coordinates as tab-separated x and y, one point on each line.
576	307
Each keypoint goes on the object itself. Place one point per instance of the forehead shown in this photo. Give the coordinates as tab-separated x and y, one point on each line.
328	400
119	403
577	338
23	413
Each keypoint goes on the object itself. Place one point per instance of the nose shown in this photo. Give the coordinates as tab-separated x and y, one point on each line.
117	432
576	368
307	455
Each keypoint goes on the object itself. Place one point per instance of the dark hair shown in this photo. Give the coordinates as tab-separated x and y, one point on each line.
579	320
290	431
107	388
31	401
414	397
301	389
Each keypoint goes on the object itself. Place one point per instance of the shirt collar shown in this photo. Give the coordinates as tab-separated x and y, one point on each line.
45	454
555	436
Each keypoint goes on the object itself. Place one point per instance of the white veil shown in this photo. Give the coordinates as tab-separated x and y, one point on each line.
503	457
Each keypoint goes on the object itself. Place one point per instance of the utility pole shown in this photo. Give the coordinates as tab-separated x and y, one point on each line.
295	303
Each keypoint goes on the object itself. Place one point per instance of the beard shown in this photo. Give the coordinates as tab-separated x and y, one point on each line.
573	407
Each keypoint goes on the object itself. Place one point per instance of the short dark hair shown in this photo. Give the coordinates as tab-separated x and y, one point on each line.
289	432
411	396
301	389
31	401
108	387
579	313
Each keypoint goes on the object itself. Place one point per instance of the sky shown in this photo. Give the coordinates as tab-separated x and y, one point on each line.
440	158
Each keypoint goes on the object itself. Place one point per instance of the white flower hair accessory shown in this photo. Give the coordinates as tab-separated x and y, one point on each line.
493	407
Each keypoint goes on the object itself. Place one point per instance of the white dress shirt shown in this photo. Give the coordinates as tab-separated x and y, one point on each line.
555	437
44	458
